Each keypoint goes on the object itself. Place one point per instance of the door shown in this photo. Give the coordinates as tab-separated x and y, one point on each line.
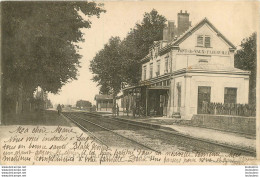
203	96
165	104
162	100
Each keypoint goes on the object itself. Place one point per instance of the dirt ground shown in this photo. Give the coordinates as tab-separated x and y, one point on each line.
47	117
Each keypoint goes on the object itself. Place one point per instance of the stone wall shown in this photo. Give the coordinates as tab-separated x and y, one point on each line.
239	124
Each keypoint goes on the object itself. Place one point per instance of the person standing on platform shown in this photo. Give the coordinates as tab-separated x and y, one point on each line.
114	111
134	110
59	109
127	108
117	110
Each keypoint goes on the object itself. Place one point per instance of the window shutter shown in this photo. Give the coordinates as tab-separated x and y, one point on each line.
151	70
207	41
166	65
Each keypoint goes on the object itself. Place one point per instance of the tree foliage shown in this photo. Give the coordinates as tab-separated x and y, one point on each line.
245	59
136	44
107	67
118	63
83	104
39	44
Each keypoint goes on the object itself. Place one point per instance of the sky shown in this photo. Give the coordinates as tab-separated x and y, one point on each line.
235	20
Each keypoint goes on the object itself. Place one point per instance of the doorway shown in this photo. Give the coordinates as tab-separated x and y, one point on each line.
164	103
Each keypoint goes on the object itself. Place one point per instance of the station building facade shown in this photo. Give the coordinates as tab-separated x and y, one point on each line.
191	65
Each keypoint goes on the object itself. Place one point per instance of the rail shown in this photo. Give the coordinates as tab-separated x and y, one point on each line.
225	146
134	141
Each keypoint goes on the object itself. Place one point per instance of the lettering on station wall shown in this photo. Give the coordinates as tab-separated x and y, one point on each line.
203	51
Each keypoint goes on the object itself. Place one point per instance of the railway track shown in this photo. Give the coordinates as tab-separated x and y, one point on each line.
186	143
75	119
238	149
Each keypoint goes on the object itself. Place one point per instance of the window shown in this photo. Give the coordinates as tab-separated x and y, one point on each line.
144	71
158	68
207	41
167	82
230	95
203	61
204	94
151	70
200	41
203	41
166	65
164	83
159	84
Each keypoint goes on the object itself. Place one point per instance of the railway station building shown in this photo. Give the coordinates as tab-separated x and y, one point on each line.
190	66
104	102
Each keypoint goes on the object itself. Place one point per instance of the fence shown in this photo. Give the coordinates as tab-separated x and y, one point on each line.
228	109
230	123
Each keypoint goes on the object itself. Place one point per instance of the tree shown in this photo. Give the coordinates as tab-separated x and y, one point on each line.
107	68
245	59
39	46
83	104
119	62
136	44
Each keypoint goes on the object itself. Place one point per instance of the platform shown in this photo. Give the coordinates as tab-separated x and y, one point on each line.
232	139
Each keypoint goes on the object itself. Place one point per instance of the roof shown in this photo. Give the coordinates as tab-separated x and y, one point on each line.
146	58
195	28
149	82
189	32
213	68
103	97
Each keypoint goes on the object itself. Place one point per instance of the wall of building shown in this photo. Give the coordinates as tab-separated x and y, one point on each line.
154	62
189	90
218	82
174	96
104	105
190	54
216	42
187	60
218	54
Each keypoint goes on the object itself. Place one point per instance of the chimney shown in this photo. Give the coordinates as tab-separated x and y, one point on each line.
183	22
171	27
170	31
165	33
